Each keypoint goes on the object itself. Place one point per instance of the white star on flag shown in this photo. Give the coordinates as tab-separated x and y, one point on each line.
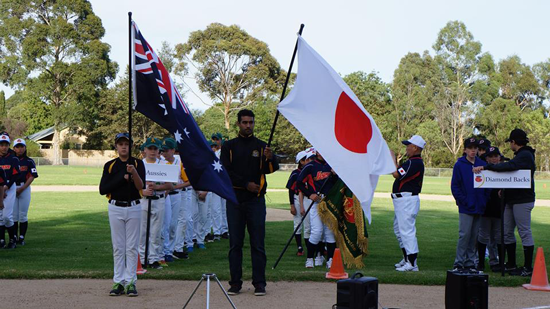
177	136
186	132
217	166
164	107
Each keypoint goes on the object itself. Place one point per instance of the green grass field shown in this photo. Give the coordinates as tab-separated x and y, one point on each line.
69	237
79	175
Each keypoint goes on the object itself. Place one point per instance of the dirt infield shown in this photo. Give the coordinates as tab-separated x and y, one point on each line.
80	293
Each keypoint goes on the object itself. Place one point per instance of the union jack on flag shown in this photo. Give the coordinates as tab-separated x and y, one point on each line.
156	97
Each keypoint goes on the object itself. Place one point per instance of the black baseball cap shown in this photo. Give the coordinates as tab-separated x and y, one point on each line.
469	142
492	151
483	143
122	135
518	135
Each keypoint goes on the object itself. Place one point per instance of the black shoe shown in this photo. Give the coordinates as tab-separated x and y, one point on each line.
522	271
117	290
234	290
225	235
155	265
181	255
11	245
2	243
131	290
209	238
496	268
21	241
259	290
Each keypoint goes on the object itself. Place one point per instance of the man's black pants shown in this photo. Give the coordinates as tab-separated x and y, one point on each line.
250	214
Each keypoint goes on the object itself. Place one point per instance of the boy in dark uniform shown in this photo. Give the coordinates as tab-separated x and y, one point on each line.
122	182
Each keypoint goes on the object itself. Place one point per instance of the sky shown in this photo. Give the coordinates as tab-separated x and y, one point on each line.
360	35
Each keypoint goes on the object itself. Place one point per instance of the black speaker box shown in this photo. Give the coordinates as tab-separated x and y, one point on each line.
466	291
358	292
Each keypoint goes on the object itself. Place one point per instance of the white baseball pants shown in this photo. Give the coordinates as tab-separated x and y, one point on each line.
155	242
318	228
404	223
125	227
170	226
6	215
298	216
21	205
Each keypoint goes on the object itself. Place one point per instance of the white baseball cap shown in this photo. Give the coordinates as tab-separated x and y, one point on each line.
301	155
19	141
416	140
5	138
310	152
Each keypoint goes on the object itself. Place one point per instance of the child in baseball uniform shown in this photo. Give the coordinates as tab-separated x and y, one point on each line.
296	207
154	193
122	180
10	165
27	175
310	181
171	227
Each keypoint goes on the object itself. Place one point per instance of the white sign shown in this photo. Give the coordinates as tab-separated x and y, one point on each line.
520	179
162	172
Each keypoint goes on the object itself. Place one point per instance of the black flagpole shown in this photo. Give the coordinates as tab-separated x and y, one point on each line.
502	252
284	87
299	225
130	78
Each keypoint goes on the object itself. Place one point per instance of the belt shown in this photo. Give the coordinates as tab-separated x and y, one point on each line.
399	195
186	189
124	203
155	197
173	192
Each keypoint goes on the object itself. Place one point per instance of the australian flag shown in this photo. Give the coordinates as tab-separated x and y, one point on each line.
156	97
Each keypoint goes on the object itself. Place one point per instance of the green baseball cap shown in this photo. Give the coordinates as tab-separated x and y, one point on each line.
217	135
169	143
152	141
142	147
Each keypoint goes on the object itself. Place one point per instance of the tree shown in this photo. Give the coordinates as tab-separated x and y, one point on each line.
412	104
3	110
458	56
519	83
54	51
233	68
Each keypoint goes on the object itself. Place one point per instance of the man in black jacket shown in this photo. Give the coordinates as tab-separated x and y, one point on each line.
519	203
247	160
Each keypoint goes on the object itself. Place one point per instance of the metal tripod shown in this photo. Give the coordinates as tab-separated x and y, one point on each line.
207	277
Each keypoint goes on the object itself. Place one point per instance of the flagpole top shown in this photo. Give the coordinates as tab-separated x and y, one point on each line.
130	14
301	29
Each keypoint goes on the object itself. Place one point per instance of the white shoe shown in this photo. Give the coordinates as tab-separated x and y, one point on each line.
319	260
400	264
329	263
309	263
408	267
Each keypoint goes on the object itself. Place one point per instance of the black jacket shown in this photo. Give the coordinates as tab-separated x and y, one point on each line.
524	159
244	159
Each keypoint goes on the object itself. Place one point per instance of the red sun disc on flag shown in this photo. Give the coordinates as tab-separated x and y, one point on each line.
352	126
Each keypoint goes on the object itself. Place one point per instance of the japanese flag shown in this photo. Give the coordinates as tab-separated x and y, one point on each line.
329	115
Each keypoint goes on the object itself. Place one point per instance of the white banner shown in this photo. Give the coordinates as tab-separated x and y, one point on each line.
520	179
162	172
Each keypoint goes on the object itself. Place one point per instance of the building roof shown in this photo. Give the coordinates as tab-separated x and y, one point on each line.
41	134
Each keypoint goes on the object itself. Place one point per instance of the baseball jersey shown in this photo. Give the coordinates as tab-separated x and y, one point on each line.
2	178
312	177
182	175
10	165
114	185
411	175
27	168
291	184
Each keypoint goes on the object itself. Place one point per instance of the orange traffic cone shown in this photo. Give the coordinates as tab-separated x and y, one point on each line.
337	267
140	270
539	279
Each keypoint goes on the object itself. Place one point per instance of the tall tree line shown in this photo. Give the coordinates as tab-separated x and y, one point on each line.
51	53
